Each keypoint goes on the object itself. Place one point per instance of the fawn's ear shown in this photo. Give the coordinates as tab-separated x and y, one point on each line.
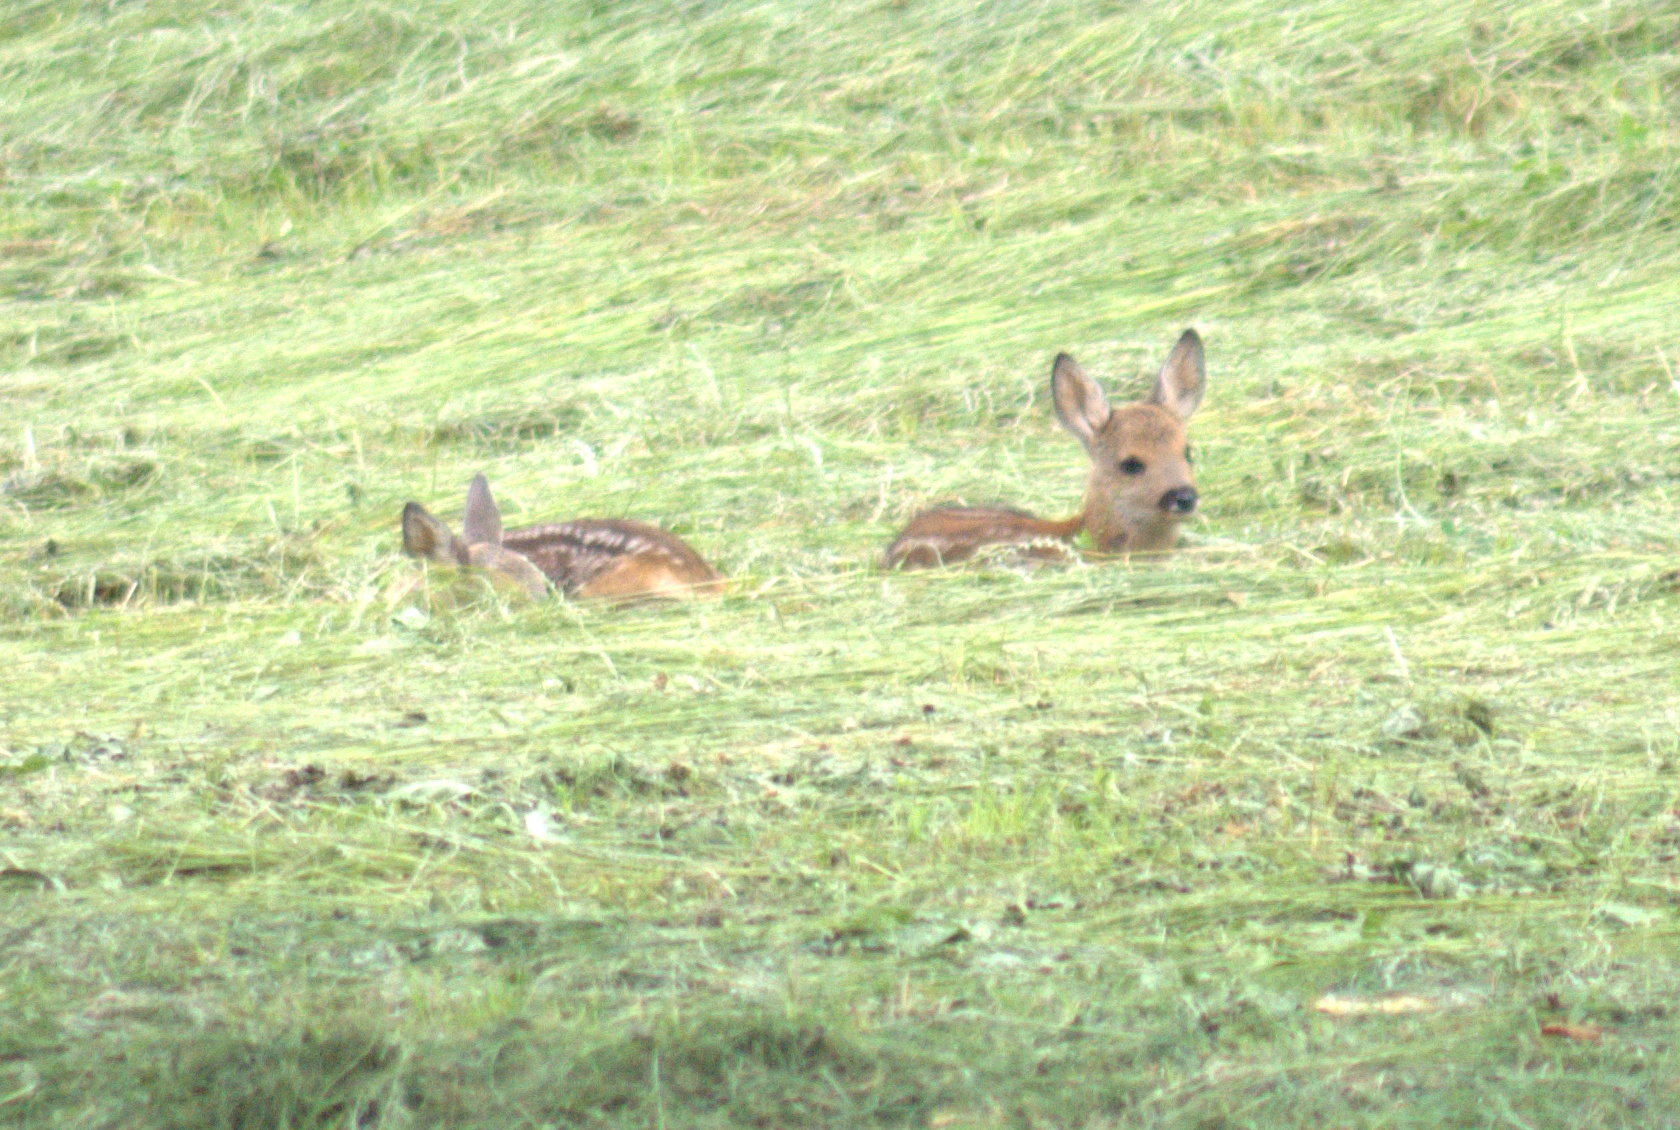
1181	381
482	522
1080	404
507	568
425	536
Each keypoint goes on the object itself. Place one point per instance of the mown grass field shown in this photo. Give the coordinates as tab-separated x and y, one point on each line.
290	840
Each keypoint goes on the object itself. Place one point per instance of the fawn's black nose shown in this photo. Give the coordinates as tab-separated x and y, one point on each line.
1179	500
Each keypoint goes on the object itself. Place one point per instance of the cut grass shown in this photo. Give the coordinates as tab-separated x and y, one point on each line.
290	840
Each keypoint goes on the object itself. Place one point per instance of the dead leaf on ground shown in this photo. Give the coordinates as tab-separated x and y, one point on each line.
955	1119
1583	1032
1373	1006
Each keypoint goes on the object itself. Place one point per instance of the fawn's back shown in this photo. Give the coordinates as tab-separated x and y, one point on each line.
587	558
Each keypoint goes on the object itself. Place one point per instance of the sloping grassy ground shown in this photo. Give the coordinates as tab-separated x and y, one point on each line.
288	840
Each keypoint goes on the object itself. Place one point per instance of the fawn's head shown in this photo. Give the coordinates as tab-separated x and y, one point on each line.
480	543
1140	486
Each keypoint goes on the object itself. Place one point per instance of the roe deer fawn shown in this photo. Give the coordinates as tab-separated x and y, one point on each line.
1138	491
587	558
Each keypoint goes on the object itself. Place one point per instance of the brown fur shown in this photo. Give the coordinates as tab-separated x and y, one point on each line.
946	535
589	558
1138	491
612	557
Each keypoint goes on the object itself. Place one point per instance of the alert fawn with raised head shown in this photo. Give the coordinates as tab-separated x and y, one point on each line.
1139	490
587	558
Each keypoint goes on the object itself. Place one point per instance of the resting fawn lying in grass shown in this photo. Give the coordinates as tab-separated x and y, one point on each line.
586	558
1139	489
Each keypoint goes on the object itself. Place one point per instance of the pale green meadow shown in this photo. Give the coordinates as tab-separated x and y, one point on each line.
1360	810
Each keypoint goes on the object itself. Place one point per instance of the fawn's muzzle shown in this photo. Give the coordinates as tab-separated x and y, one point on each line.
1179	500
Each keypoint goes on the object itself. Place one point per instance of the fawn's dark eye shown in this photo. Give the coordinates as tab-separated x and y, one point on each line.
1131	465
1189	456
